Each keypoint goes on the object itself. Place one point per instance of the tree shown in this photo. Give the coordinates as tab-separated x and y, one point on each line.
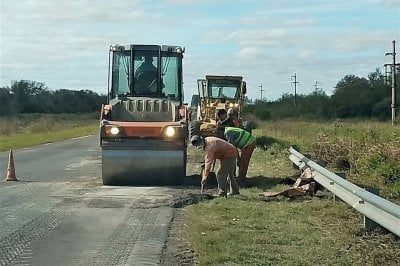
7	101
382	99
27	96
353	97
24	92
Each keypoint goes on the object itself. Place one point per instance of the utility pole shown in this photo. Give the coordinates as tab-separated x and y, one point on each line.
295	89
261	91
316	85
393	73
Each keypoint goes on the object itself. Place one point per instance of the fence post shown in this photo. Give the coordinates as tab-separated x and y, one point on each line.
336	198
368	223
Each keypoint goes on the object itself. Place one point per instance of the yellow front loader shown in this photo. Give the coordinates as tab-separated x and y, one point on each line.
215	93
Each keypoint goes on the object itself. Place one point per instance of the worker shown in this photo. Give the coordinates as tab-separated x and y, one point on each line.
219	149
146	66
233	117
146	76
246	143
223	119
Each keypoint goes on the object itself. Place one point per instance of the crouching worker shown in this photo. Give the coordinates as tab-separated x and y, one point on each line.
219	149
244	141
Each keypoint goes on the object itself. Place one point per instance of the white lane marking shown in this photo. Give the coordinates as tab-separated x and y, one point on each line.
73	166
49	143
82	137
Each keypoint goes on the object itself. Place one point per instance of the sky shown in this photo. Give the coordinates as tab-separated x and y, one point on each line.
65	44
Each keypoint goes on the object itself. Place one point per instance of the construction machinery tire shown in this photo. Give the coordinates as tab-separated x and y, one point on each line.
194	128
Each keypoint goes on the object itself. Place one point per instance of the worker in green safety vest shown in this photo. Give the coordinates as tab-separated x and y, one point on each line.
246	143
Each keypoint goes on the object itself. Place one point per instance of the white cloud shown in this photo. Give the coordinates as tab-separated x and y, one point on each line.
249	53
73	11
65	43
392	3
190	3
268	37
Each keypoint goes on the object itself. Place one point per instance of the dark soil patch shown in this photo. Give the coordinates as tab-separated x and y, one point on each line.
177	250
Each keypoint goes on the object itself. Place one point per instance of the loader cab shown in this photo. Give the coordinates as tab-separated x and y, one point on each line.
151	71
220	92
224	89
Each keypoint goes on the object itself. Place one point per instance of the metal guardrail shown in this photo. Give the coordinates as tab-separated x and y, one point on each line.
379	210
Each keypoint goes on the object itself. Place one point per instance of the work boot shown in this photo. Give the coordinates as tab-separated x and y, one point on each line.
233	193
240	181
222	194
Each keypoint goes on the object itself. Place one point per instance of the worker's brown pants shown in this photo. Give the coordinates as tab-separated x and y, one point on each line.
226	177
245	160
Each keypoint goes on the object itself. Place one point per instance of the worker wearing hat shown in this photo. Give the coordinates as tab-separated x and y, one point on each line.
218	149
146	66
224	119
232	115
146	76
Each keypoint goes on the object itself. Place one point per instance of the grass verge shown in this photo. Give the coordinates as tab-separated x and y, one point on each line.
250	230
246	231
33	129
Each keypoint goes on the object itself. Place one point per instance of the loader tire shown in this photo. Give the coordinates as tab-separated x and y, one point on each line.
194	128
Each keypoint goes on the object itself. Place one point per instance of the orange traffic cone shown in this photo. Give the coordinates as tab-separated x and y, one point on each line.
11	170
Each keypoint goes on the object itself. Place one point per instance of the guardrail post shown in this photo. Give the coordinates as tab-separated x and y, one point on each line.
336	198
368	223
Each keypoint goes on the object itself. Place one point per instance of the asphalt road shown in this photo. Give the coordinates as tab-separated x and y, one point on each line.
60	214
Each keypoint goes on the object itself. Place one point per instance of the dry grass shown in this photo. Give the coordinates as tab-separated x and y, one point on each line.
246	230
28	130
368	151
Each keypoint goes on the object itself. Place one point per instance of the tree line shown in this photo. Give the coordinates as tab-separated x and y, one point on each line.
26	96
353	97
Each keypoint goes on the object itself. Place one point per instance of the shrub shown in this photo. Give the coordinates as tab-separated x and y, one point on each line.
262	114
333	150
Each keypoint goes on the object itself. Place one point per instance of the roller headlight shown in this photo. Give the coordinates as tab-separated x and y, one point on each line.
115	130
112	131
170	131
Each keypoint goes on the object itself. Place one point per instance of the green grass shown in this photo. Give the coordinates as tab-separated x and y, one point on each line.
28	130
299	232
369	152
251	230
246	231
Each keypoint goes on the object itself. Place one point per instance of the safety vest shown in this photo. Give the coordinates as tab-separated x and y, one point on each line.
244	138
